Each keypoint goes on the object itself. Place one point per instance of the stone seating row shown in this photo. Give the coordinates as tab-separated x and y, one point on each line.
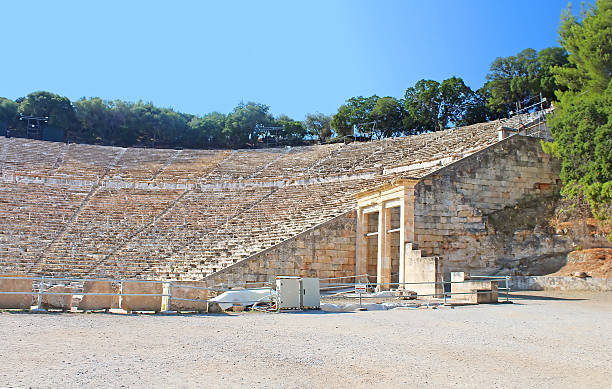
31	215
89	242
109	218
87	161
287	212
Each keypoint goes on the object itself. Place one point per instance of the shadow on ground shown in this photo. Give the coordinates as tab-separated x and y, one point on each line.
543	298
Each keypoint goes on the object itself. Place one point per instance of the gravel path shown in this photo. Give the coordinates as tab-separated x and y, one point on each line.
540	341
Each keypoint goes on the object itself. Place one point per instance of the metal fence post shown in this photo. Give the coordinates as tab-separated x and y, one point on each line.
40	290
507	288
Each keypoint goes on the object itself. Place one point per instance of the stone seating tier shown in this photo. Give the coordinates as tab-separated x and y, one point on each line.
88	162
237	202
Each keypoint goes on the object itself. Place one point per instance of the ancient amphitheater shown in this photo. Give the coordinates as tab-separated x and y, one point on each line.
81	210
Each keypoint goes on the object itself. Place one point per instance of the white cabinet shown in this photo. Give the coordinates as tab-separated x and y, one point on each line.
297	292
311	297
288	292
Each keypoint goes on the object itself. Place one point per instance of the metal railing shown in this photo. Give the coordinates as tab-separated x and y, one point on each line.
38	289
506	289
41	284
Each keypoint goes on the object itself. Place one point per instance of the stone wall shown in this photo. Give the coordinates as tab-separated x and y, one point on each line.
453	206
560	283
327	250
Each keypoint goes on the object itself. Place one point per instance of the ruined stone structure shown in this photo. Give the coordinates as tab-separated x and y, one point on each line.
247	215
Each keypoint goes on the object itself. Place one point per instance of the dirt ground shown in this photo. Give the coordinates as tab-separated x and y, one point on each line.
542	340
595	262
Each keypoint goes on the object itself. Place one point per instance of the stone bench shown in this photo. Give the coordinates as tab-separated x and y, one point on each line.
476	291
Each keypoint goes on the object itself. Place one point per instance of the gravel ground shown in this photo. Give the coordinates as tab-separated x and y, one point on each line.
542	340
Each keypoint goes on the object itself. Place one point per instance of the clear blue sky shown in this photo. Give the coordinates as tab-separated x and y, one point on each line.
198	57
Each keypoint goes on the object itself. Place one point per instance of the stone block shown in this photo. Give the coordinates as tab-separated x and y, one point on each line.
141	303
15	301
474	291
490	295
57	301
92	303
178	289
421	269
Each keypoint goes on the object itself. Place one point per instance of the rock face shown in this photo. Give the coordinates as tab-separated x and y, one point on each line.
596	263
56	301
91	303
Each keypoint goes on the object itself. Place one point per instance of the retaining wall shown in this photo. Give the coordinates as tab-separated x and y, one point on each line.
452	206
327	250
560	283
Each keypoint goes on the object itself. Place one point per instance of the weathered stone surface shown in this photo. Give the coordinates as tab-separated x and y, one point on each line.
472	190
214	308
474	291
423	273
56	301
15	301
313	253
141	303
90	303
178	290
560	283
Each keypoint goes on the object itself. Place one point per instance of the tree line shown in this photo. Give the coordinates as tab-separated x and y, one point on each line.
512	83
122	123
427	106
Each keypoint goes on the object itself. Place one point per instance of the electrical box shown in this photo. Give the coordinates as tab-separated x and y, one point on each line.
311	296
288	292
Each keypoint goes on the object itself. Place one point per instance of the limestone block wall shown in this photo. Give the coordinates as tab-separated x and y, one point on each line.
452	205
327	250
560	283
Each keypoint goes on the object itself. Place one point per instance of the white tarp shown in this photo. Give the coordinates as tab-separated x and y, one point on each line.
244	297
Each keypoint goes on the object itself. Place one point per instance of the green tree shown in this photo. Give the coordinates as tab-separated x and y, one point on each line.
519	79
511	80
456	98
477	110
293	131
548	59
431	106
8	112
57	108
342	121
241	126
319	125
388	113
422	104
206	131
94	116
356	112
582	123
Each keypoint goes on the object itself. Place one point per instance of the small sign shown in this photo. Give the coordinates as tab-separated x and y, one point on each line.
360	288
